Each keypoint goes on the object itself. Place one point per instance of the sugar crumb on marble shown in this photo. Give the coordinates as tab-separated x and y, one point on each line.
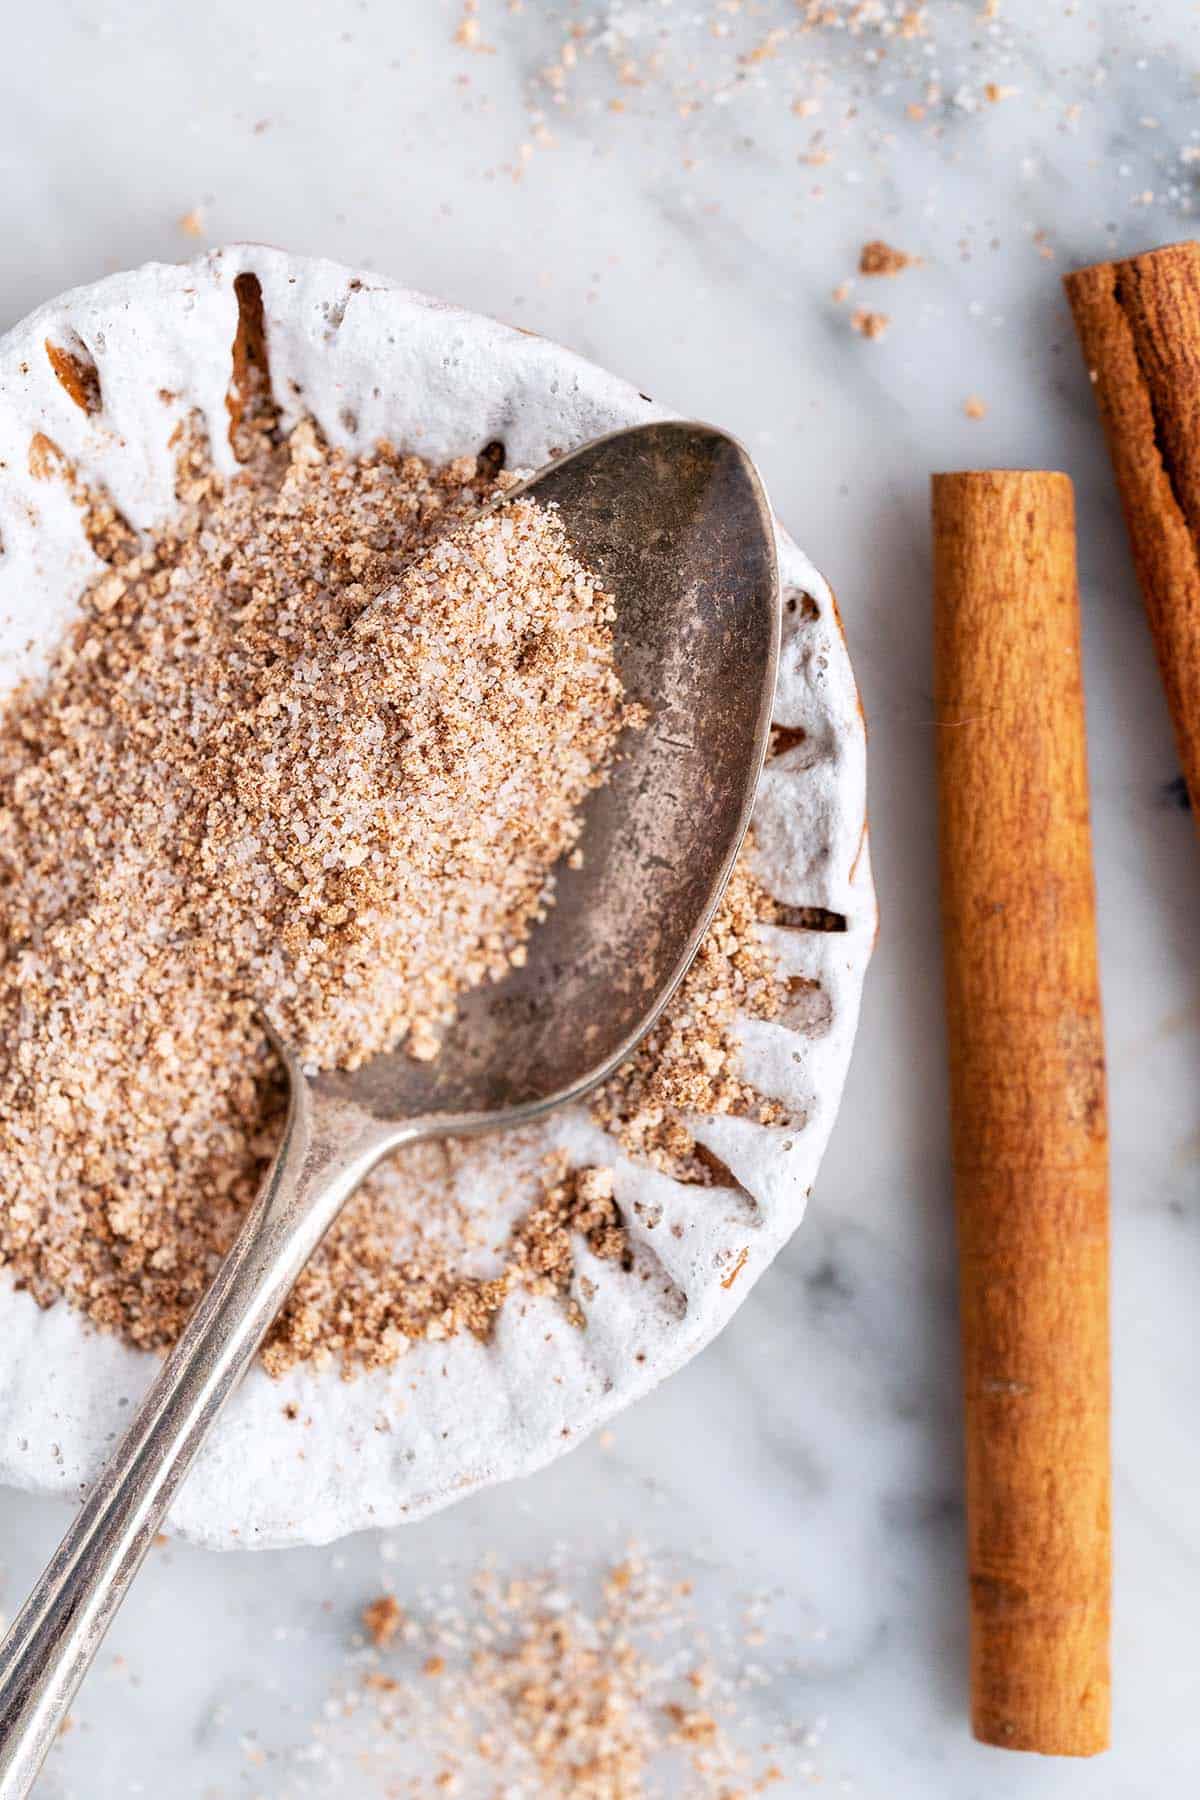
382	1619
869	324
588	1679
879	258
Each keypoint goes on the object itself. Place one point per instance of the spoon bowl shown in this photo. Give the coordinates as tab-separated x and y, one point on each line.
672	518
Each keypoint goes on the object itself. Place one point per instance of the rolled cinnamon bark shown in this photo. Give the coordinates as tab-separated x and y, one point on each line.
1027	1090
1139	325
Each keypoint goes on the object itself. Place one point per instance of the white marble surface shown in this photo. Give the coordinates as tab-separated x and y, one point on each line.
684	242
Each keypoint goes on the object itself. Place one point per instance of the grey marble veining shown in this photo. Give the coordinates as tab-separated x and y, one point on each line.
685	242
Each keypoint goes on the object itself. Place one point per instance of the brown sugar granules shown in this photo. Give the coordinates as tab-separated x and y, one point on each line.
319	696
878	258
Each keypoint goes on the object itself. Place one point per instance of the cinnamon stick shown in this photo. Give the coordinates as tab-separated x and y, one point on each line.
1027	1089
1139	325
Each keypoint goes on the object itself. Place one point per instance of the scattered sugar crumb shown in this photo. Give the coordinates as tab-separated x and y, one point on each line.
869	324
382	1619
578	1681
467	33
878	258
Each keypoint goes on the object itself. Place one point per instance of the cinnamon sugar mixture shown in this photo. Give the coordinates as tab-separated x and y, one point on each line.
320	743
688	1064
575	1682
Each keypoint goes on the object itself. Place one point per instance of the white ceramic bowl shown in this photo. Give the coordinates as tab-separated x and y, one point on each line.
311	1456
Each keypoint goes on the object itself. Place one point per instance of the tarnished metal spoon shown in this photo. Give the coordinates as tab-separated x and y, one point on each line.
673	519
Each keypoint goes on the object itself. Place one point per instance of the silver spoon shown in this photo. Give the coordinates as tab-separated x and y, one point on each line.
673	519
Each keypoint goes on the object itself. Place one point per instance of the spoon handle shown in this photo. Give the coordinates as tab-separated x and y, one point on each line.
327	1148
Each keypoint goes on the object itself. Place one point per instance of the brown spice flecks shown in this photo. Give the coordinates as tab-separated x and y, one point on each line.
245	774
878	258
870	324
